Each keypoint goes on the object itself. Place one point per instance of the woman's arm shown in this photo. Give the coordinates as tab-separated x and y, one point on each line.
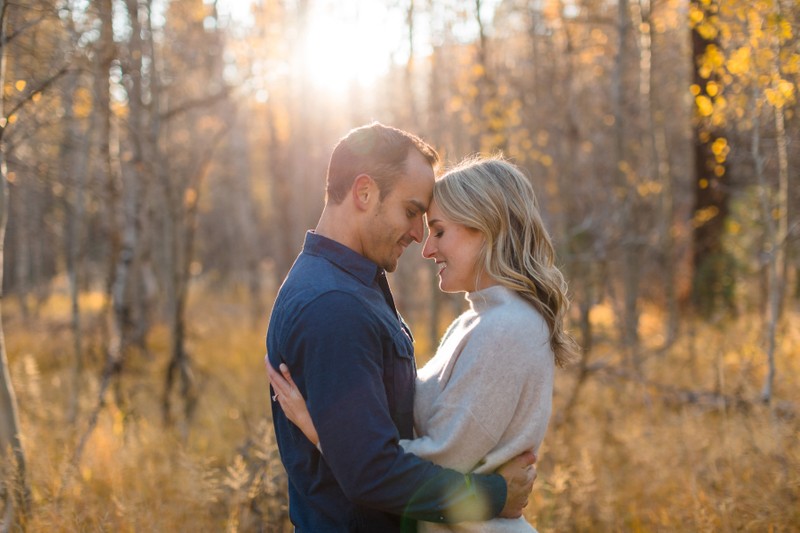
292	402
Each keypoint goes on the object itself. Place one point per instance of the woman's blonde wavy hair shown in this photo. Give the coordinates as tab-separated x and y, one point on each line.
492	196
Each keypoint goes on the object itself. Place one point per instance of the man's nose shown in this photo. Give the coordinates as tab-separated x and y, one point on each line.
417	230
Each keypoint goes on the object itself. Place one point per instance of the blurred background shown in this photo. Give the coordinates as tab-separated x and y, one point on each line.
162	159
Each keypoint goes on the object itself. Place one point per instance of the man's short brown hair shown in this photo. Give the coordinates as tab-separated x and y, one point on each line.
376	150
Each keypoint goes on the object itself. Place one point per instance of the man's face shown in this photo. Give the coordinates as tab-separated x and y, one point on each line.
397	221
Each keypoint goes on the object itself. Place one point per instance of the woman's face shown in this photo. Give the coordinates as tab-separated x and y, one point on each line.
455	248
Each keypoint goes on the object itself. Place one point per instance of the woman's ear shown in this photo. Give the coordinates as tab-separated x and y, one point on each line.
364	191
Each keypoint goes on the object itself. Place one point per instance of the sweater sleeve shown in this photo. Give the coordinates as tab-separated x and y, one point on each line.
479	400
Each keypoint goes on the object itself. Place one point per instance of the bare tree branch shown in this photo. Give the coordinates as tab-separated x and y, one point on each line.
192	104
43	86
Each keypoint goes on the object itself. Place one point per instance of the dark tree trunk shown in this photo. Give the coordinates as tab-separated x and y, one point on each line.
712	282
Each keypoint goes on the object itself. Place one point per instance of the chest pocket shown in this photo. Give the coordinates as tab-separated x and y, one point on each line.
400	373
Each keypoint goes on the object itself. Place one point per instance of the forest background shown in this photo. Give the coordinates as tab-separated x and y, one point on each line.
161	160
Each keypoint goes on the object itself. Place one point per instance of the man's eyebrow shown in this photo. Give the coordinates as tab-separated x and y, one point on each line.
418	205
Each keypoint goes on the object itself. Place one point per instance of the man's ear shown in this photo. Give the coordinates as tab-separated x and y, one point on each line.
364	191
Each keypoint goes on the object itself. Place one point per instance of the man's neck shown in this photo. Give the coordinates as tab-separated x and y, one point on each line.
337	225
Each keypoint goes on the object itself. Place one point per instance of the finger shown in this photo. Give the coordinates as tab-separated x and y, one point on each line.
278	383
281	399
528	457
287	375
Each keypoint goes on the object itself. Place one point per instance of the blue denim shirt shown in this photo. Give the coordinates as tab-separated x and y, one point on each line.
351	355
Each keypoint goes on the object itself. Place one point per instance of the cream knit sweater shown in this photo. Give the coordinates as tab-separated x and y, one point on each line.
486	396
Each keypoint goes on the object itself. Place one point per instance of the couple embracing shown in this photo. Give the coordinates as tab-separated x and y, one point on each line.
369	443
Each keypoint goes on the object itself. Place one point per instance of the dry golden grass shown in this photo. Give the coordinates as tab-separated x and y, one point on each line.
633	456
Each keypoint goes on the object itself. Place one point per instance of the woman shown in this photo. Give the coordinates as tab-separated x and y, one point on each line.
486	396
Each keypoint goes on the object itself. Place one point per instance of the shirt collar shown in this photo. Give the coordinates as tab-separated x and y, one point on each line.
340	255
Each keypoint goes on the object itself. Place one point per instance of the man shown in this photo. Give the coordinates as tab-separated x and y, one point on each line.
335	325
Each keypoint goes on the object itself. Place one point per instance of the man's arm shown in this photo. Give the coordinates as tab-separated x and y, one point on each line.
519	473
339	370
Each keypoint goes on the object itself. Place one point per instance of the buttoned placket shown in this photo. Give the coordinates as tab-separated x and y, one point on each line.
383	283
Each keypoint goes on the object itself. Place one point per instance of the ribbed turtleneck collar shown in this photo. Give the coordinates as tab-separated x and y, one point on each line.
484	299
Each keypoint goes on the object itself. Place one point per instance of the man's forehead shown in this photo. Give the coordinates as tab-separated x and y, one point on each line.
417	191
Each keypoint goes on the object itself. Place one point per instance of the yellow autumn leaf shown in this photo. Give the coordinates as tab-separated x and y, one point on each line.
20	85
707	30
695	15
739	61
719	145
775	98
82	103
713	56
791	64
712	88
787	89
765	58
704	105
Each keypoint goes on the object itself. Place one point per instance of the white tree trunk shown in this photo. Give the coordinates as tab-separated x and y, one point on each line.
14	487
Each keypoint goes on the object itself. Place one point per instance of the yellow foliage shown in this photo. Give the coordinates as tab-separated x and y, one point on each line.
782	94
82	103
702	216
696	15
704	106
649	188
765	59
20	85
739	62
784	30
707	30
542	138
455	103
791	64
720	146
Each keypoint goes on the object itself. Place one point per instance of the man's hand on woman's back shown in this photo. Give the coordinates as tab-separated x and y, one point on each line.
519	473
